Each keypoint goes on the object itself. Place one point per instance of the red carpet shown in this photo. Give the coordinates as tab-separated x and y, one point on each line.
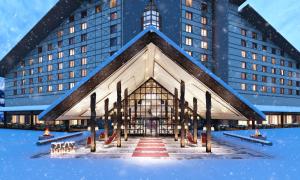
150	147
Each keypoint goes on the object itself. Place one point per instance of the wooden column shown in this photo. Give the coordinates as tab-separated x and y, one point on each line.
5	119
31	120
253	124
93	122
281	120
126	114
195	120
106	104
119	114
135	109
176	114
182	119
208	122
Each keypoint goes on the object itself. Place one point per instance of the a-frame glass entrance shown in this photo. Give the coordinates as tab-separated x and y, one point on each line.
150	109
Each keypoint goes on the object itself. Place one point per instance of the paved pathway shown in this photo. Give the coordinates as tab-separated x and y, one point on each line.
150	147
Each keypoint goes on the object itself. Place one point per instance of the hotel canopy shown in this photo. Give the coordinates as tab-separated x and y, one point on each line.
152	56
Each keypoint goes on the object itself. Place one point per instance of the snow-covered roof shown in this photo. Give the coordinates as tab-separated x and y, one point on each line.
172	52
24	108
283	109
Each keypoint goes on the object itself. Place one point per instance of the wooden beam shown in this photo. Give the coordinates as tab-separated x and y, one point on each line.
119	114
253	124
281	120
5	119
208	121
126	114
106	105
176	114
31	120
195	120
182	119
93	122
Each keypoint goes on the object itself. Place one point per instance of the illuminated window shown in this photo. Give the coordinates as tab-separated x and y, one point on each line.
264	89
204	32
203	20
254	77
254	56
113	15
188	41
71	52
204	45
188	28
273	89
273	80
40	59
264	69
204	57
188	15
31	71
40	69
243	76
254	87
50	77
83	61
189	52
71	74
71	85
264	58
40	89
72	29
254	35
113	3
281	90
50	57
273	70
98	8
31	90
83	49
60	55
243	32
49	89
243	43
244	54
83	72
23	82
281	81
243	87
71	63
189	3
254	67
290	74
60	33
49	68
60	66
60	87
281	72
83	26
273	61
31	61
60	76
244	65
151	16
282	62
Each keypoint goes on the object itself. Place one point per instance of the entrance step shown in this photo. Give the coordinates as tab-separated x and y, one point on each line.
150	147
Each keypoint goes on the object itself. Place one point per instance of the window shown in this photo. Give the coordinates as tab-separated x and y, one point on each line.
98	8
71	18
273	51
273	61
40	49
188	28
298	66
204	7
71	52
151	16
273	70
290	73
264	78
264	48
281	81
72	29
31	61
281	72
264	68
188	41
113	3
264	58
298	83
83	72
40	89
274	90
254	56
282	53
264	89
83	14
50	47
243	43
254	35
189	3
49	77
15	92
290	92
23	91
290	83
188	15
282	62
203	20
254	45
23	82
30	80
264	38
254	67
50	57
243	32
204	32
60	33
254	77
40	79
60	55
71	85
83	61
60	87
113	41
59	44
23	72
244	54
290	64
204	45
71	63
254	87
204	57
113	29
49	67
243	87
189	52
281	90
40	69
113	15
83	37
31	90
40	59
71	40
83	26
60	76
298	92
49	89
83	49
273	80
243	76
60	66
244	65
71	74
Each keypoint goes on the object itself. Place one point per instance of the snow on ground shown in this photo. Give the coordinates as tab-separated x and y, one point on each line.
17	146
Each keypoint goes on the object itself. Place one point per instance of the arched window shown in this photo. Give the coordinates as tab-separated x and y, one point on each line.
151	16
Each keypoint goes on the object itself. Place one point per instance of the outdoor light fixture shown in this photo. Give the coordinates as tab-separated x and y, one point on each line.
178	127
112	124
204	128
123	117
192	118
186	127
109	117
115	127
189	124
122	127
185	110
122	110
89	128
96	128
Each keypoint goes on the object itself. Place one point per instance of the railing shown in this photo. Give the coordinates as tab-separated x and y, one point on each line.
260	141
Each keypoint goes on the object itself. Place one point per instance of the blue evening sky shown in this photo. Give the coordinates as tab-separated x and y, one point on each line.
17	17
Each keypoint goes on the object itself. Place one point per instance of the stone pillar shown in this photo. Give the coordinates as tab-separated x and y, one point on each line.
208	122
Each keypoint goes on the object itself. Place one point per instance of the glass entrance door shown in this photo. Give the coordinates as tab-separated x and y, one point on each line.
151	126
